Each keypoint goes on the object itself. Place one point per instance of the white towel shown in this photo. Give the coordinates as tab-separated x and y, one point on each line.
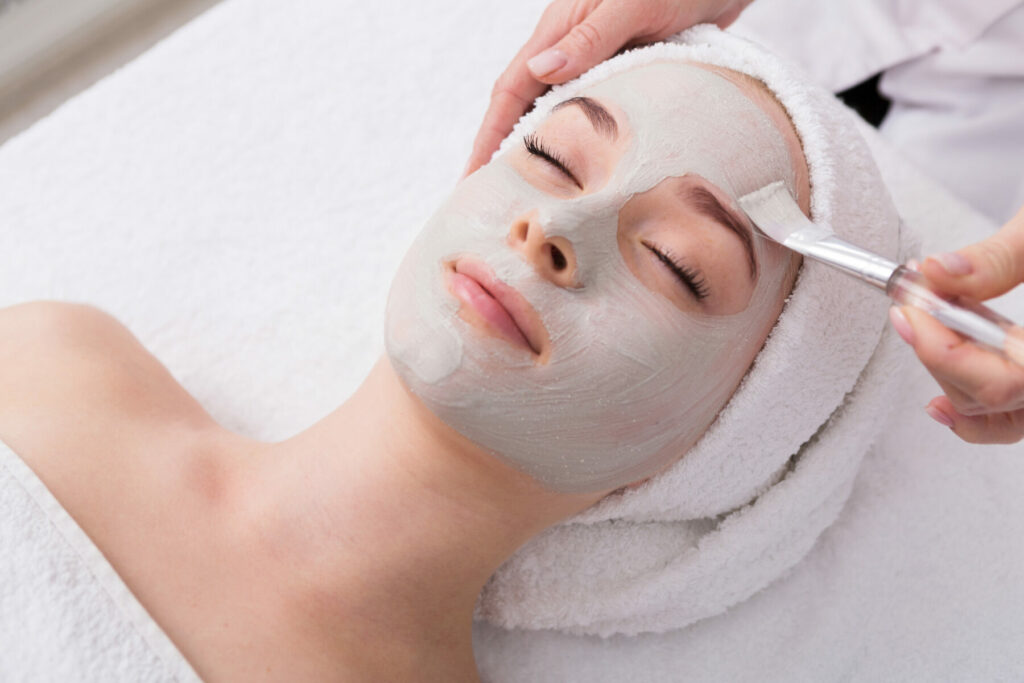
65	614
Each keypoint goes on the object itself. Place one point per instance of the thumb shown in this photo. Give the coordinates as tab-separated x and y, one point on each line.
989	268
598	36
1005	427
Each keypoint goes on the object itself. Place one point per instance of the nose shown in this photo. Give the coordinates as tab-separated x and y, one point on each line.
552	257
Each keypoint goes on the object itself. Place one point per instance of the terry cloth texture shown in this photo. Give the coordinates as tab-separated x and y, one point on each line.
65	614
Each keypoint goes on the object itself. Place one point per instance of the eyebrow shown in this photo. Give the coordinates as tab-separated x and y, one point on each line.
707	204
600	118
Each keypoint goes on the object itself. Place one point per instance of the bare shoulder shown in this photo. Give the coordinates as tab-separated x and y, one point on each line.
75	380
50	351
57	355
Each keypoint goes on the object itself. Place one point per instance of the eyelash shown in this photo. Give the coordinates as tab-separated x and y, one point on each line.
536	148
688	276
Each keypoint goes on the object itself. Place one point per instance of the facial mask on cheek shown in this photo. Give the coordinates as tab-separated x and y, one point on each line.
632	381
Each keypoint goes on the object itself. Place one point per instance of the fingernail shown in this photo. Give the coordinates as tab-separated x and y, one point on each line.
914	265
954	263
939	416
902	325
465	171
550	60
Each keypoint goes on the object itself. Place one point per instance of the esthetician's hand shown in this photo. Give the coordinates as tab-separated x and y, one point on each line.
984	401
574	35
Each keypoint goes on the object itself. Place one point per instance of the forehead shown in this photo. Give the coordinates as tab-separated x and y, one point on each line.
686	118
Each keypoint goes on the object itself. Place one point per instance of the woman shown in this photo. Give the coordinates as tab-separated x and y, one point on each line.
357	548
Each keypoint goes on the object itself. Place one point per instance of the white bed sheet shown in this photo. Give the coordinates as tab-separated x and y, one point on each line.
239	197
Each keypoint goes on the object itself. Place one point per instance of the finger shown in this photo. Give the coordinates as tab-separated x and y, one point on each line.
962	403
989	268
504	110
992	382
516	89
991	428
731	13
593	39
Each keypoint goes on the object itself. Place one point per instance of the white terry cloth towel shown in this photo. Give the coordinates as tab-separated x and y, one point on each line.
240	197
65	614
774	470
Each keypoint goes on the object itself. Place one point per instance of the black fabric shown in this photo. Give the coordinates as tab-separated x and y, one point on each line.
865	99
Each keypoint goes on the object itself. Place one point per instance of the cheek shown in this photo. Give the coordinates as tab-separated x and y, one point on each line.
628	243
708	355
631	232
760	316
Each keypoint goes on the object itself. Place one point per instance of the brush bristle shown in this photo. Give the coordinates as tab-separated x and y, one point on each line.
774	211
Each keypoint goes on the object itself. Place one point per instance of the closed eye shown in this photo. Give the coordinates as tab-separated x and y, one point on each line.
690	278
536	148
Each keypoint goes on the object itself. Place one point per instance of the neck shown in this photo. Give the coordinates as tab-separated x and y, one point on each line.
382	525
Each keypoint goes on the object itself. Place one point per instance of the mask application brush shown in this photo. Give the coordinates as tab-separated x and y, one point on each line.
777	215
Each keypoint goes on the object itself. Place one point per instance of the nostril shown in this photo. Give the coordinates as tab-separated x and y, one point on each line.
557	258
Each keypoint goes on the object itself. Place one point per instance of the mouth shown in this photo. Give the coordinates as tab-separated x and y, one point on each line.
494	306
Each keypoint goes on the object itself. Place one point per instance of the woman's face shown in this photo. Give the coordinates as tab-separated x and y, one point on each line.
584	305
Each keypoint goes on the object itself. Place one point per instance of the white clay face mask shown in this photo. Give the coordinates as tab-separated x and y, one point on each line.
631	380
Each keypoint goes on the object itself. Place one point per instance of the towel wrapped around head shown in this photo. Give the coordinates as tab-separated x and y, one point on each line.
774	470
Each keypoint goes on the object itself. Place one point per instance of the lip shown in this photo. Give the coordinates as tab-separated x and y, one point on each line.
500	306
